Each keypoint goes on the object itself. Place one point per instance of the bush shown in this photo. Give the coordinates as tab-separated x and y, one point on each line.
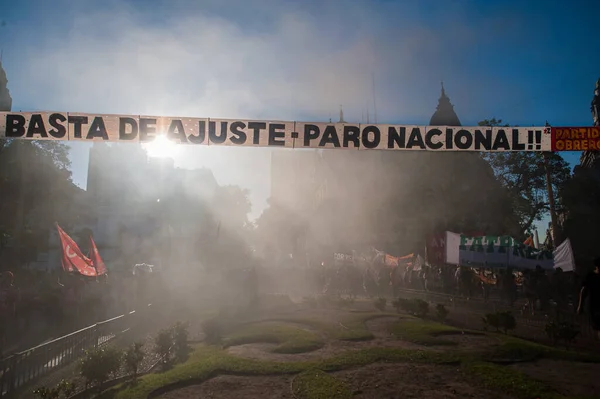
46	393
163	343
562	331
491	320
415	307
63	389
504	321
133	358
441	312
380	303
421	307
180	337
67	388
507	321
213	331
99	364
326	301
402	304
310	301
345	302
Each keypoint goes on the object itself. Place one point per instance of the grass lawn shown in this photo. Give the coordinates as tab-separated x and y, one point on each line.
206	362
316	384
313	381
506	380
423	332
513	348
351	327
290	339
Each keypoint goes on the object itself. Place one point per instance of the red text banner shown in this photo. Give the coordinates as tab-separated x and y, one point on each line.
575	138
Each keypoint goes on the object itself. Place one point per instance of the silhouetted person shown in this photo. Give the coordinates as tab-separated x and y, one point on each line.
530	290
509	287
558	289
542	287
590	290
466	282
485	288
424	278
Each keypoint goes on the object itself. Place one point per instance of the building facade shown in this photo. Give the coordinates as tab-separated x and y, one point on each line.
145	206
391	199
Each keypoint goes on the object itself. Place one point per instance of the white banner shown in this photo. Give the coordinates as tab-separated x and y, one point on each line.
494	251
563	257
232	132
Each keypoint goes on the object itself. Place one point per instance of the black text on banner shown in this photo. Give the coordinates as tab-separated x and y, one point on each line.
290	134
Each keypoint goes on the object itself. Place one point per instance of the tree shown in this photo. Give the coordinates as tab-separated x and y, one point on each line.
229	210
37	181
276	230
580	197
523	175
232	206
391	200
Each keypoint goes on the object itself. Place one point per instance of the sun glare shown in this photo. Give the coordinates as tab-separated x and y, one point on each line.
161	147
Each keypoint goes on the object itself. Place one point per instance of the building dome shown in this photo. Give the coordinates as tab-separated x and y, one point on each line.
444	115
5	99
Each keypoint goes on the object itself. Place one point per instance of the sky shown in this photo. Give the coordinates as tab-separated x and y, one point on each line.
524	62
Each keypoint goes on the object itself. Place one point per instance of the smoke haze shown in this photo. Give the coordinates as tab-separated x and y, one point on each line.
270	59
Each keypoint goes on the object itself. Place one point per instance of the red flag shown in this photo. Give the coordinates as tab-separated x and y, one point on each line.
391	260
529	242
72	257
96	259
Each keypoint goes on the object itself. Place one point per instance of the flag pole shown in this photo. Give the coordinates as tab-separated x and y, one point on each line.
553	219
92	245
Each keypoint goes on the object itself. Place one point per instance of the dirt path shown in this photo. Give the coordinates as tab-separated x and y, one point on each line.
233	387
406	381
571	379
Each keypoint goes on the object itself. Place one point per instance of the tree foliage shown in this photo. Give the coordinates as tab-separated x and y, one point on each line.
580	197
392	201
37	190
523	175
229	213
277	229
232	207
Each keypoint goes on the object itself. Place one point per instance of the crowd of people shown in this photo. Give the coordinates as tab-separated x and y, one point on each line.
538	286
529	292
56	303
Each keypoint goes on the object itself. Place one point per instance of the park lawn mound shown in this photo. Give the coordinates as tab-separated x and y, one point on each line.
236	387
512	350
289	339
206	362
316	384
350	326
428	333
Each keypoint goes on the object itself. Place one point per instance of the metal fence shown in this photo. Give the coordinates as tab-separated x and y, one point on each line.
25	367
